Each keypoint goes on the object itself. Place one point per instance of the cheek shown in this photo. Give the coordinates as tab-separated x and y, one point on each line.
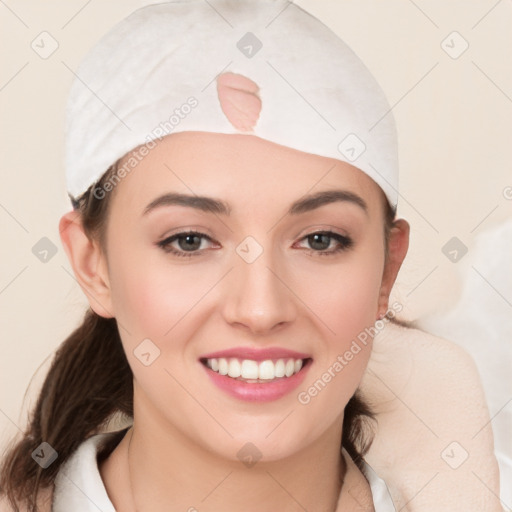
345	296
346	299
150	296
154	300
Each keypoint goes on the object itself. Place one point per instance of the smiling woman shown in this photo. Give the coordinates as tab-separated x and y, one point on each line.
236	328
332	237
245	261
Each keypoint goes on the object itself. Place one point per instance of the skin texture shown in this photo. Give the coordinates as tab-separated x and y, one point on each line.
239	100
187	432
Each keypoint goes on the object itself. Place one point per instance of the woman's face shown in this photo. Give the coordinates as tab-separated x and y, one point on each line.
256	278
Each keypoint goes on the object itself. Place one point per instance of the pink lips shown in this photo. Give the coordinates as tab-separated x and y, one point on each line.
257	391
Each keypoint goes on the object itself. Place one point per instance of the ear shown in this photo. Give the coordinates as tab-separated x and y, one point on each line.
397	249
88	262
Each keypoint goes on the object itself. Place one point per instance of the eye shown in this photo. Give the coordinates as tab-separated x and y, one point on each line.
187	242
190	243
320	241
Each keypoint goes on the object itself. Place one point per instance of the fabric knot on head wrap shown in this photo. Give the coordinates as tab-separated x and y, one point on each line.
261	67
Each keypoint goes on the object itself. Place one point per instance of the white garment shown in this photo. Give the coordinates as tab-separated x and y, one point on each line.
79	487
153	74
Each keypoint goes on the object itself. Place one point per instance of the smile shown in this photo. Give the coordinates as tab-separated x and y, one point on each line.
253	380
251	371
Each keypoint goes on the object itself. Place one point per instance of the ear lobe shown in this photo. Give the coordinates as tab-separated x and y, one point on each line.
88	263
397	249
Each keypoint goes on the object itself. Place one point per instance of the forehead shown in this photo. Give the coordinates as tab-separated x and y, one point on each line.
243	170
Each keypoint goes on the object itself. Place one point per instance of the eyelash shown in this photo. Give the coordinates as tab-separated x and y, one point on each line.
344	242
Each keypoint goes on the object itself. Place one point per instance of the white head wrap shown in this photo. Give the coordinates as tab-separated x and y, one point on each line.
260	67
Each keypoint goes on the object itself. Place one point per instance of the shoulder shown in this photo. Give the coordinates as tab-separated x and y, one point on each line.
434	439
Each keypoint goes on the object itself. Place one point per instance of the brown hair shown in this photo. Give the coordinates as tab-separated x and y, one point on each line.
90	380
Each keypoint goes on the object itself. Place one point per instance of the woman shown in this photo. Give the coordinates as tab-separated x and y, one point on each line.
239	247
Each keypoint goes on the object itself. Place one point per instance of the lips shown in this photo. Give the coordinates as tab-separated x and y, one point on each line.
257	375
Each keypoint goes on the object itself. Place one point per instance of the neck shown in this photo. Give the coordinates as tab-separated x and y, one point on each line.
165	470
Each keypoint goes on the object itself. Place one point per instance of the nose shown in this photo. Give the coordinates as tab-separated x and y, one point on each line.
257	298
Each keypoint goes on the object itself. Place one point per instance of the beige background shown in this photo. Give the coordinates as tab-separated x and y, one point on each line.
454	119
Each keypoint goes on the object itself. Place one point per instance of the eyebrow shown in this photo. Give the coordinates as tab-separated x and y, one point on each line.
212	205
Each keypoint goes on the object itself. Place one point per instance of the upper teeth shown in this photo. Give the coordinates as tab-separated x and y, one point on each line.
250	369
